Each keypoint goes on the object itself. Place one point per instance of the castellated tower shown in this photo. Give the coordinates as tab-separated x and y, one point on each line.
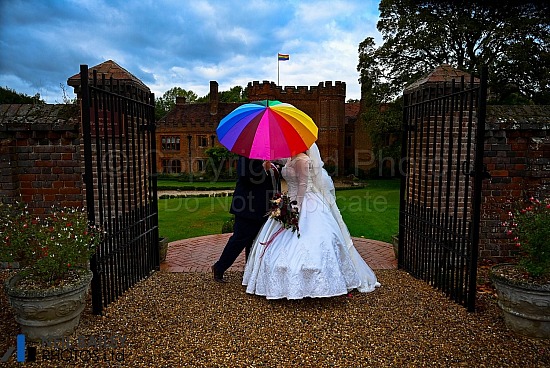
324	103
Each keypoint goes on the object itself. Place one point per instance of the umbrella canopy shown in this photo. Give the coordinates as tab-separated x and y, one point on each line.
267	130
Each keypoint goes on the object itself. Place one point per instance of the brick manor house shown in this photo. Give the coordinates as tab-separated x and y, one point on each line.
189	129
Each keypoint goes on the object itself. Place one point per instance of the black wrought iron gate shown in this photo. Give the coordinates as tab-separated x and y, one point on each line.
118	123
442	147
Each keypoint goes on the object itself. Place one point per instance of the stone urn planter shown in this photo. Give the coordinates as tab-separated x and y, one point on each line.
50	313
526	306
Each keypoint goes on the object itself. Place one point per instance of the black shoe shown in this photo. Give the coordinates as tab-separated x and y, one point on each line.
217	276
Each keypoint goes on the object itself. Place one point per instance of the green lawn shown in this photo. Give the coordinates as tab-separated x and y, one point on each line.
372	212
182	218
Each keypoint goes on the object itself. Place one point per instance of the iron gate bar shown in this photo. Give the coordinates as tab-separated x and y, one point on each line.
452	224
127	233
104	103
479	176
88	173
113	169
404	167
117	230
430	257
419	133
467	226
427	255
457	224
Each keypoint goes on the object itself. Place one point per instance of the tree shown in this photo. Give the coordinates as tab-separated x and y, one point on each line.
235	94
383	122
66	99
512	38
220	162
168	100
10	96
164	104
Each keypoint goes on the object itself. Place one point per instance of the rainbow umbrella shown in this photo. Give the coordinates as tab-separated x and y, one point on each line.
267	130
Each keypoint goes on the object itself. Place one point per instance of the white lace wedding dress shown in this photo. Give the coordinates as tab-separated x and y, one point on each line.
322	262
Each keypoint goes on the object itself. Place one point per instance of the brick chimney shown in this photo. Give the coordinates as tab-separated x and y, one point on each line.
213	97
180	100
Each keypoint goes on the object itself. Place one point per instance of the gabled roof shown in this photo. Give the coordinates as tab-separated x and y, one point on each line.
110	69
443	73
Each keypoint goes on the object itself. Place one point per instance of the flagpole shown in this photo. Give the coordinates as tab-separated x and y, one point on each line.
278	61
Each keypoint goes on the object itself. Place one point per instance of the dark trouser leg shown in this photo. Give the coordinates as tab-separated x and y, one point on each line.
244	233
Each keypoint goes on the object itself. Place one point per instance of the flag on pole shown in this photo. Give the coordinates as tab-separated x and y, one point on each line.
284	57
281	57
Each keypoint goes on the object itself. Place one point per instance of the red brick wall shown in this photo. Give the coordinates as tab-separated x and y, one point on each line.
517	155
40	156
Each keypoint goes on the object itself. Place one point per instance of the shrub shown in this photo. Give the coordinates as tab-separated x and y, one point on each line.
47	247
529	225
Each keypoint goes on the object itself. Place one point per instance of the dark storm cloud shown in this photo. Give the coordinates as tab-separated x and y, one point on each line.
183	43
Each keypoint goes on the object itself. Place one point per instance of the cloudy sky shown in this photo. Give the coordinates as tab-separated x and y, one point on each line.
184	43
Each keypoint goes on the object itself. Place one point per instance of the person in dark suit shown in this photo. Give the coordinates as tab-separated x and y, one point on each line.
250	203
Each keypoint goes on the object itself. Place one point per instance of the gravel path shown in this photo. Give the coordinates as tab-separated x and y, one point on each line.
187	320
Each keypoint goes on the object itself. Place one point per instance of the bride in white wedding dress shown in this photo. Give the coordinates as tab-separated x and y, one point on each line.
322	261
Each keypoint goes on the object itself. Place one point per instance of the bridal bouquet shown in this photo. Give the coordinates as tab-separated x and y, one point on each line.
285	211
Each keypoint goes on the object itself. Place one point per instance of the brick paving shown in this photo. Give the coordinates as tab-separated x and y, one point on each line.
198	254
